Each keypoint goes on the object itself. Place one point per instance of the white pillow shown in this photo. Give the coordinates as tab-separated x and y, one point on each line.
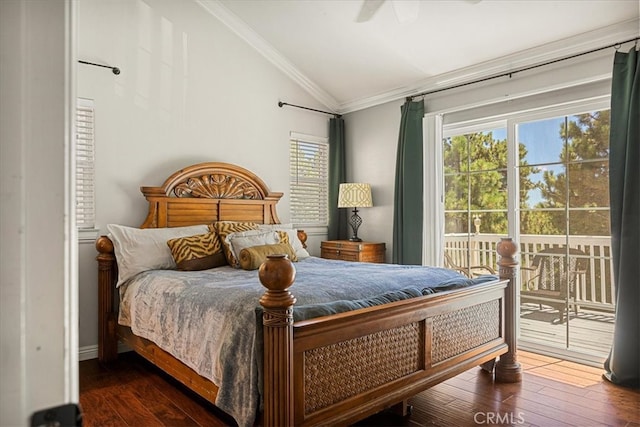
142	249
245	239
296	244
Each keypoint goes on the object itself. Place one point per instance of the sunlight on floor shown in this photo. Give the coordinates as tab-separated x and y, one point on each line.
570	373
590	331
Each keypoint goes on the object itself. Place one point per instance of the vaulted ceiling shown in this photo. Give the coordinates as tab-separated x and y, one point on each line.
409	46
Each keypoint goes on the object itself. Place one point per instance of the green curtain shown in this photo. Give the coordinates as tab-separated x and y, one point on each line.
623	364
337	175
408	199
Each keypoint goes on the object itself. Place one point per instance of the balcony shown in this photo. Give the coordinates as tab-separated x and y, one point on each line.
587	326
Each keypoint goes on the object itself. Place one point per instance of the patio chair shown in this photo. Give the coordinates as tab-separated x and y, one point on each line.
552	276
473	271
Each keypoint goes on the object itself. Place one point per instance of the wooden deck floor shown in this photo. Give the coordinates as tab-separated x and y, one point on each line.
590	332
553	393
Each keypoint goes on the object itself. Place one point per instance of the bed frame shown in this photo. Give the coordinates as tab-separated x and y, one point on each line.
335	369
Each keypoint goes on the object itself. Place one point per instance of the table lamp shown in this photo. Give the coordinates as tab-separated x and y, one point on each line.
355	195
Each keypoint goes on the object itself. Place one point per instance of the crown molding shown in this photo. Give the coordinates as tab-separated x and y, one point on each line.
551	51
242	30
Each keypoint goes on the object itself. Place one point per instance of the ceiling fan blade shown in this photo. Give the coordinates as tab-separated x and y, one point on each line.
406	10
368	9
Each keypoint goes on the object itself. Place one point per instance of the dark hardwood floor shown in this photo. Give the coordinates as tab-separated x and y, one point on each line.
131	392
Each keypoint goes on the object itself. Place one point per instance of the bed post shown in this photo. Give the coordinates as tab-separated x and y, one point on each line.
277	275
508	369
107	340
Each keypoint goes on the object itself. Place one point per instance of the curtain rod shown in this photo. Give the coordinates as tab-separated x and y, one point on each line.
281	104
519	70
115	70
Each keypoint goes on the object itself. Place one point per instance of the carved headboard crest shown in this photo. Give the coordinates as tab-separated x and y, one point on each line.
218	186
207	192
213	180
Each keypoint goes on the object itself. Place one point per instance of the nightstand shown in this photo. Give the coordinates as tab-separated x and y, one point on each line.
346	250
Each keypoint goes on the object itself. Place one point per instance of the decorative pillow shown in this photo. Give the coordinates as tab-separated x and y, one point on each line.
223	229
253	257
296	244
199	252
142	249
245	239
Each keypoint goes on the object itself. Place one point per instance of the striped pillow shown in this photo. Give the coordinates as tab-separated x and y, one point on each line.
199	252
283	237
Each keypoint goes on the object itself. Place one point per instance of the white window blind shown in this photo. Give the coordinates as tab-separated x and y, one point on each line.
85	164
309	180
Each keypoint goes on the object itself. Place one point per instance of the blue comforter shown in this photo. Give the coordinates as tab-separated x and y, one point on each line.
207	319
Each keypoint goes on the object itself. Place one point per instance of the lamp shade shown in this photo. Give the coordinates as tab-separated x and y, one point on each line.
355	195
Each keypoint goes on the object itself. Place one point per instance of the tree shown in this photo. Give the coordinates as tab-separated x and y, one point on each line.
586	159
475	168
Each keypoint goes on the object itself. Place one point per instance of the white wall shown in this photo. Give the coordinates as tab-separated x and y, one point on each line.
190	91
372	141
38	354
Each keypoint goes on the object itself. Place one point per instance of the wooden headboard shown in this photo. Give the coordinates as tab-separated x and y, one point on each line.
209	192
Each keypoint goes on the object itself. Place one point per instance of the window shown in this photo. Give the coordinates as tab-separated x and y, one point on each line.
309	179
474	160
85	161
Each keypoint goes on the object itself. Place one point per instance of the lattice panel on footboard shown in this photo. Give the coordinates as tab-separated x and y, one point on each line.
338	371
462	330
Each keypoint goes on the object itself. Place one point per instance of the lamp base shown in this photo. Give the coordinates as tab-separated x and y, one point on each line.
355	222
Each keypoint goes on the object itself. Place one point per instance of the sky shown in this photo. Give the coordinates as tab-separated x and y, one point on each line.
544	145
542	139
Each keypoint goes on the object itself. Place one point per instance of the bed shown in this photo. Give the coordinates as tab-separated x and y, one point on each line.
310	362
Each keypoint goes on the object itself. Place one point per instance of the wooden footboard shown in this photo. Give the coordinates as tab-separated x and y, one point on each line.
390	354
338	369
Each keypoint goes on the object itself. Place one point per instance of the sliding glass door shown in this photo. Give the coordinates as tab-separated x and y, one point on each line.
555	202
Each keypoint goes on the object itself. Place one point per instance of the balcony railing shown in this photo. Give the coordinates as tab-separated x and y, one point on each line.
594	289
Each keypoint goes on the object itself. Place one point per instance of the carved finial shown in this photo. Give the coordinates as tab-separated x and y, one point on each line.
277	274
104	244
506	248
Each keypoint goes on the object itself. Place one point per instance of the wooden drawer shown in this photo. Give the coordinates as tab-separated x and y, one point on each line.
346	250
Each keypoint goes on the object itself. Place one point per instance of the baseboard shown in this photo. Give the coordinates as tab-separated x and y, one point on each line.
91	351
88	352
